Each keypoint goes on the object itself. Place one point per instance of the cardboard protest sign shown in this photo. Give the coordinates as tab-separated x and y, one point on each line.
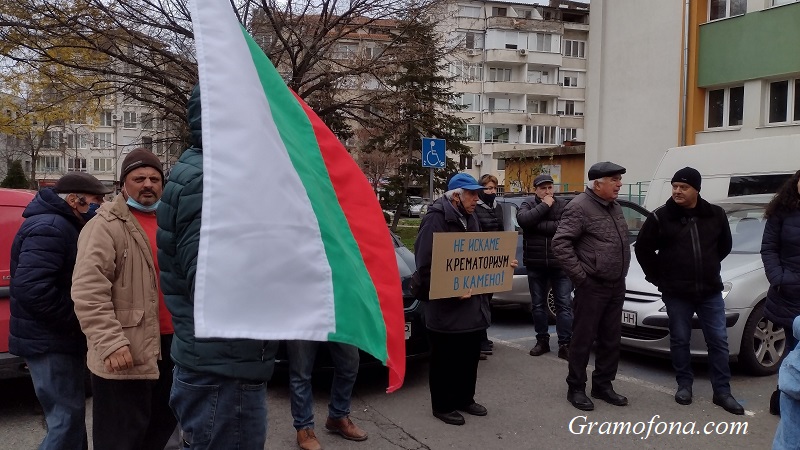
477	261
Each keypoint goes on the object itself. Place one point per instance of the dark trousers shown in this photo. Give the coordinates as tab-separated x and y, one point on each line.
597	316
134	414
453	369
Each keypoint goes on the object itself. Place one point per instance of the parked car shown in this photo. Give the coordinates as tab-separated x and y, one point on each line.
414	206
754	341
520	293
12	203
414	311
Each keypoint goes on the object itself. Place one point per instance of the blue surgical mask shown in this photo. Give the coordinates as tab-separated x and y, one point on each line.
140	207
91	212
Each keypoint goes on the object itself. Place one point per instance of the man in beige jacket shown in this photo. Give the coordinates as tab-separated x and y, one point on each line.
121	310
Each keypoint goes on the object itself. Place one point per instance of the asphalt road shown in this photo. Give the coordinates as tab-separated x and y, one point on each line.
526	399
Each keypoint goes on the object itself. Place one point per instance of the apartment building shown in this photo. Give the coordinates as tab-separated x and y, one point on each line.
97	145
521	71
701	73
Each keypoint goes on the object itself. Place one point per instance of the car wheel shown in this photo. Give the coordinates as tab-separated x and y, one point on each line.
763	344
551	306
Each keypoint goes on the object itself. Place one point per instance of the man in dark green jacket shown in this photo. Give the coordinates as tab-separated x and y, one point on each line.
217	382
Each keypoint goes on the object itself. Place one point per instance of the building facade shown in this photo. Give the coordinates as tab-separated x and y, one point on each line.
521	72
697	73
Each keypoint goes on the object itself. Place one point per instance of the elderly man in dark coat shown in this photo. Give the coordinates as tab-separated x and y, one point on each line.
591	244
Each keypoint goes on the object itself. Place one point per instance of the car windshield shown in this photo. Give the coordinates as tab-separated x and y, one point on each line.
747	226
415	200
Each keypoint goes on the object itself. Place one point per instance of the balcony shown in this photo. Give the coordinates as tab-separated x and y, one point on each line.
507	87
571	122
506	55
522	24
573	63
543	89
469	23
542	119
505	116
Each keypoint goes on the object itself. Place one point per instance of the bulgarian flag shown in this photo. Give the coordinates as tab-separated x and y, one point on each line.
293	243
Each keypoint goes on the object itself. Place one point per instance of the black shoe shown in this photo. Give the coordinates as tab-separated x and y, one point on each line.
542	346
450	418
475	409
580	400
609	396
483	357
728	403
775	403
563	351
491	343
486	349
684	395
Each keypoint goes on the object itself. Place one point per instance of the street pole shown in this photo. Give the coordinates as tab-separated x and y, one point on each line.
430	181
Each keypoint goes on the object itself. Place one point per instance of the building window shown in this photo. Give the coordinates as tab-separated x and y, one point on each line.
571	81
540	134
473	133
496	135
76	164
537	106
499	74
147	142
499	12
544	42
784	101
725	107
499	104
48	164
567	134
102	140
78	141
472	40
129	119
470	102
574	49
345	51
465	162
512	39
147	121
101	164
466	72
501	165
782	2
720	9
569	108
538	76
469	11
52	139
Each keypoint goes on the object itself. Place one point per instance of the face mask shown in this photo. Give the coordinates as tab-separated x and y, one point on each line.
487	198
140	207
91	212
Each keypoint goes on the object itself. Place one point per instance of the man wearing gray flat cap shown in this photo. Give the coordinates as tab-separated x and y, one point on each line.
591	244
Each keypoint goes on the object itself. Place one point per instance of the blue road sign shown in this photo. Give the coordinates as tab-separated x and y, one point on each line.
433	153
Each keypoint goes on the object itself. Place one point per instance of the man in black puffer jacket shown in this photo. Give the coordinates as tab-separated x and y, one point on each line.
539	216
44	329
680	248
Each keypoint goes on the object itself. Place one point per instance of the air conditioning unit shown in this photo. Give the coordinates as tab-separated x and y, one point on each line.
560	113
560	84
115	117
473	52
522	51
478	162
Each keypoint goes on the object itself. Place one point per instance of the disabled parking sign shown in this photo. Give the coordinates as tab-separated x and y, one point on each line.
433	153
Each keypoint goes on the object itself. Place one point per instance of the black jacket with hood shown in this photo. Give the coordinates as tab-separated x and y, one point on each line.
691	245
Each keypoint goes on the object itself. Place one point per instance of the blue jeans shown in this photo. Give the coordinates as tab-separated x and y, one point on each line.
58	379
711	313
216	412
301	363
562	287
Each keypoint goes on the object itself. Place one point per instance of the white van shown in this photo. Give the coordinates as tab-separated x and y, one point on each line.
729	169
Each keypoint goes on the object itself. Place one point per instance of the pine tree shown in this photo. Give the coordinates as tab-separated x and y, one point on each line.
15	178
422	106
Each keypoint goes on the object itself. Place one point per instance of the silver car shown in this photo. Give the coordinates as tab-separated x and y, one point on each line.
755	342
520	294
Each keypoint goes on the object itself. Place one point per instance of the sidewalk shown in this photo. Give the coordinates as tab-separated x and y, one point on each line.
526	399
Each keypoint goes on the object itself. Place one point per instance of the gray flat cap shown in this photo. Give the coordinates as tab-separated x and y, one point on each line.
605	169
543	178
80	183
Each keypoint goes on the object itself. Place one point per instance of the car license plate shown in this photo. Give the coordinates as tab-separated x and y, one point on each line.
408	330
629	318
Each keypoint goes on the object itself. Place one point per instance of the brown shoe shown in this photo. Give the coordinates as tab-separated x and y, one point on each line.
307	440
346	428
